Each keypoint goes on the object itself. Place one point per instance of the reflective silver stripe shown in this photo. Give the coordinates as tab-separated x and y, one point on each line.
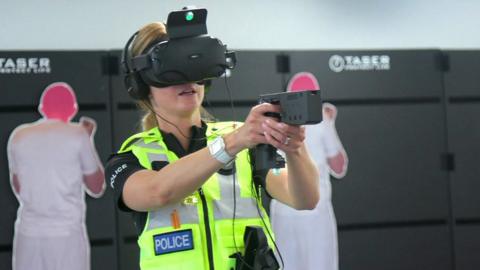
223	208
152	145
161	218
156	157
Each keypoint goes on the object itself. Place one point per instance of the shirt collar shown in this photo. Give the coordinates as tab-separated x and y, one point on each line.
197	141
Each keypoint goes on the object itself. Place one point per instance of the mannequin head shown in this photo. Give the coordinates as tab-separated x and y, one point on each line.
303	81
58	102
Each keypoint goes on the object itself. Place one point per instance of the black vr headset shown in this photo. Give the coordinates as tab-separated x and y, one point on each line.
187	55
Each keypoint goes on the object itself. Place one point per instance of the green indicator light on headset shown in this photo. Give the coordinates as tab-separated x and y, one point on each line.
189	16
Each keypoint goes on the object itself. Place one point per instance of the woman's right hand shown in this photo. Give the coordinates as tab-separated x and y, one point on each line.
251	132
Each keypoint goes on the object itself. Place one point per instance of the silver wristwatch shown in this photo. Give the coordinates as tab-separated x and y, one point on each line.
217	150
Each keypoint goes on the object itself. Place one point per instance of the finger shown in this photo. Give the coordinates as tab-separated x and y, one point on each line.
275	129
251	134
287	146
298	134
266	107
274	142
292	142
259	139
292	131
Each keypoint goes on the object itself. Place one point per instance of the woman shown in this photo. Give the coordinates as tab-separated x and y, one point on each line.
190	203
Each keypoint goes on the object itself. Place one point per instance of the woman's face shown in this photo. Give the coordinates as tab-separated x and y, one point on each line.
177	100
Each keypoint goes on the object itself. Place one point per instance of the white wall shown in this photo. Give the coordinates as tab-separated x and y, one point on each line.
248	24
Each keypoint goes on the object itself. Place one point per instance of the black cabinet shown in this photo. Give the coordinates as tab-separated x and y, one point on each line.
462	88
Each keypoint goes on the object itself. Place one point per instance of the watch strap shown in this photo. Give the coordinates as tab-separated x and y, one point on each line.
218	151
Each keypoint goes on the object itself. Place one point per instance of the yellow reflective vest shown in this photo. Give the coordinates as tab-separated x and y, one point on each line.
200	232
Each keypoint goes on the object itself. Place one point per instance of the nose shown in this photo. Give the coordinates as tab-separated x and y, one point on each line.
189	86
196	85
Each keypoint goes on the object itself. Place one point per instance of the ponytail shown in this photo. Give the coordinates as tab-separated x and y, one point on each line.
149	120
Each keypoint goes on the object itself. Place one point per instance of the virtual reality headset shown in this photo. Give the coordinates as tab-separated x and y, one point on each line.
187	55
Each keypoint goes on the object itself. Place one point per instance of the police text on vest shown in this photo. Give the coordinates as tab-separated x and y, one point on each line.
173	242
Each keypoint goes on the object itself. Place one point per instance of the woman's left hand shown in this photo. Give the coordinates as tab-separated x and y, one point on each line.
288	138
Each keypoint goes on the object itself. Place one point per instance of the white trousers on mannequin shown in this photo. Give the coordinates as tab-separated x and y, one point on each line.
307	239
51	252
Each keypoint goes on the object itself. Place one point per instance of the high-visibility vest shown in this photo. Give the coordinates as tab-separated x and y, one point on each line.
200	232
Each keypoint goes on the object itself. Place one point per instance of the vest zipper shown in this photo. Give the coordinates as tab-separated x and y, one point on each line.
207	229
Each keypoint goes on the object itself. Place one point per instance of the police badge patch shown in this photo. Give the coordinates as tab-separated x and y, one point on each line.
173	242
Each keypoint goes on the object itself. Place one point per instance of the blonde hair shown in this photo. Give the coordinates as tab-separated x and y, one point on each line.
145	36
